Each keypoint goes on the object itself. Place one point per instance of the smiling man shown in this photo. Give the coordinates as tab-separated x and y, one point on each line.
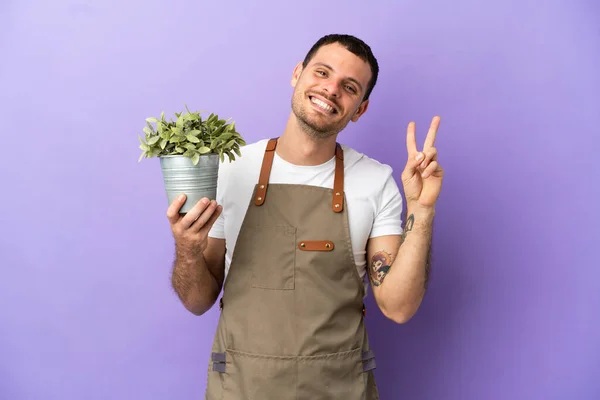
299	223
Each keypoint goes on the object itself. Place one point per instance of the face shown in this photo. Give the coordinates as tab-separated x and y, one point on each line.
377	264
328	93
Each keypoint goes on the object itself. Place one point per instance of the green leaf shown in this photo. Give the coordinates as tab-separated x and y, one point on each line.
192	138
153	140
191	135
219	131
180	121
195	159
226	136
155	152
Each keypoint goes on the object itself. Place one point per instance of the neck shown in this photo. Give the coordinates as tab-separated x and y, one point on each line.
298	147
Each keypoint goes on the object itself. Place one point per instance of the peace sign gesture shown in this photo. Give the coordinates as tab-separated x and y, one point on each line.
422	176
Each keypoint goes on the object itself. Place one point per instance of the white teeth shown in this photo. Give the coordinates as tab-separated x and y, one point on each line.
322	104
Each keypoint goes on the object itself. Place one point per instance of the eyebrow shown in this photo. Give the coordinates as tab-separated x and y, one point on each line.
348	78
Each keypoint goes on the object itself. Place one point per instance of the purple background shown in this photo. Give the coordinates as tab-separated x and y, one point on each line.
86	310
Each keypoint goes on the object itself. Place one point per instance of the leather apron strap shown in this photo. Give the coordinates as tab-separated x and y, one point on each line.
265	173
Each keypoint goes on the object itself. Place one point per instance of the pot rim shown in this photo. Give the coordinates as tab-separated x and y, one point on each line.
181	155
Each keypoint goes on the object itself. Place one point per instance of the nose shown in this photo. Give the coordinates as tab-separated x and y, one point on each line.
332	88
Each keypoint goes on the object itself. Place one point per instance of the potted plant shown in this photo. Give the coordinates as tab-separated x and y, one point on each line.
189	149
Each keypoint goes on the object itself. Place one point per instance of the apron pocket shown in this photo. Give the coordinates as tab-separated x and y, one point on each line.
332	376
272	257
258	377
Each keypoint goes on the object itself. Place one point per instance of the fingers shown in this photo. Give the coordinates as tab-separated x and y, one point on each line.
208	217
422	162
412	164
430	154
411	141
173	210
433	128
195	213
432	169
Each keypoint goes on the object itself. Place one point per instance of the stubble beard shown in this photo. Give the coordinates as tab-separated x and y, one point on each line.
311	128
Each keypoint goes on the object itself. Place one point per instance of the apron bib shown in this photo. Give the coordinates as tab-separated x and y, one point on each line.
292	313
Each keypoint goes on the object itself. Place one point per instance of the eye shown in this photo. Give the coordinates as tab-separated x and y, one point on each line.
350	89
321	72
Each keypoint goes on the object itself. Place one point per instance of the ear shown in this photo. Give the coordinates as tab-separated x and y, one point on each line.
361	110
296	74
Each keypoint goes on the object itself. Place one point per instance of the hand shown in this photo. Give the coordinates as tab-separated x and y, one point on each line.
422	176
191	229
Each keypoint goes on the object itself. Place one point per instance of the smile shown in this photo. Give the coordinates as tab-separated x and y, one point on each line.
322	105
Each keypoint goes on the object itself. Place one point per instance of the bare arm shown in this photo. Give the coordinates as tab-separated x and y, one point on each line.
399	282
199	265
399	287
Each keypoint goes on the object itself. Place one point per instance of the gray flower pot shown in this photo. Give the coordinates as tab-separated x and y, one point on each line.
180	175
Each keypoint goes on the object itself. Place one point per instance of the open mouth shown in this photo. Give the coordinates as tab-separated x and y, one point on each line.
322	105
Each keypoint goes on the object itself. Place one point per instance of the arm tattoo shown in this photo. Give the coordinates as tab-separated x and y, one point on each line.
380	266
410	221
381	261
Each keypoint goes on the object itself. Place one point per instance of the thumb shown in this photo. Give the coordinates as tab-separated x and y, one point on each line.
413	163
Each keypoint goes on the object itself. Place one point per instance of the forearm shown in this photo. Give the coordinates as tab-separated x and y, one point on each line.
193	281
405	285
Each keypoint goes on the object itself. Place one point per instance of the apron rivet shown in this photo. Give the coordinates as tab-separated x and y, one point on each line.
328	245
336	206
302	245
262	186
337	194
260	198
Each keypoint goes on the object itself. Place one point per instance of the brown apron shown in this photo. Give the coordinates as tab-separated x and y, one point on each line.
292	313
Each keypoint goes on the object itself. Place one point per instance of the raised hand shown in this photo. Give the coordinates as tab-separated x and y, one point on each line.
422	175
191	229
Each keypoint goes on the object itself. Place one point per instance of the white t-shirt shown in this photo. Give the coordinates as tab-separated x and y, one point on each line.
374	202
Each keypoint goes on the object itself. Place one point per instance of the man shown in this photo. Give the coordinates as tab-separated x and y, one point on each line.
297	224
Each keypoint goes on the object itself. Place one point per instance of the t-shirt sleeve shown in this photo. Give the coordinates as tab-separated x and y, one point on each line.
388	216
218	229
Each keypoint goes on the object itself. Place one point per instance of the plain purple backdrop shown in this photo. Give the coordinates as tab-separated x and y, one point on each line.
86	309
